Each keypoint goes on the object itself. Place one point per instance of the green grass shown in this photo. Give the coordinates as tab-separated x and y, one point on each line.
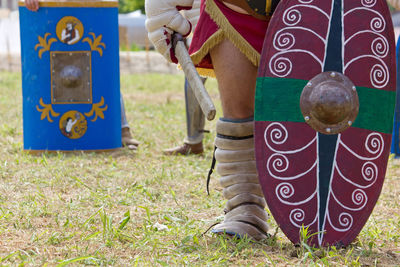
132	47
142	208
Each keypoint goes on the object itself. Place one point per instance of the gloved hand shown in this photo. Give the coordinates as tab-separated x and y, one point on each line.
193	14
163	19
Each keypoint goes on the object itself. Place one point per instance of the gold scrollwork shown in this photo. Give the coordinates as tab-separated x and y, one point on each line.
97	110
44	43
95	43
46	111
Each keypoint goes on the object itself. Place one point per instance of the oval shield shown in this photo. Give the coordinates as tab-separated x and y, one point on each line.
326	182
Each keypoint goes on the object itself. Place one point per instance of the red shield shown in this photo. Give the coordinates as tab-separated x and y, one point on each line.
328	183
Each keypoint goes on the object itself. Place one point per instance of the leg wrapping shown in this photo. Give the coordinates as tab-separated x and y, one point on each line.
245	214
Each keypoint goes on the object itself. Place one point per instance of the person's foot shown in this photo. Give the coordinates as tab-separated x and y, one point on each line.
127	139
185	149
245	213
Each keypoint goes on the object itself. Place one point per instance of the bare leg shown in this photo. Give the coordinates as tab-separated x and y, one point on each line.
236	77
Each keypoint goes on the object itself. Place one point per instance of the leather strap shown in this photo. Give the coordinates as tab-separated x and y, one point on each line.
260	9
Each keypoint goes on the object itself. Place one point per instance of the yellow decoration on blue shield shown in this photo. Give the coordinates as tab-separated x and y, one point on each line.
69	30
73	124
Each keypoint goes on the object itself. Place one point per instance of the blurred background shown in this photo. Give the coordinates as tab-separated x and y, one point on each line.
137	55
136	50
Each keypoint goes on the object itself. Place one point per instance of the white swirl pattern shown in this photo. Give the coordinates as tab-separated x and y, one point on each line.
359	199
284	41
297	217
369	173
285	190
379	73
374	146
380	47
292	17
345	222
368	3
279	163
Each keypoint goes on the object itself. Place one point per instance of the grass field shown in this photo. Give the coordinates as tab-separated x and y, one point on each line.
142	208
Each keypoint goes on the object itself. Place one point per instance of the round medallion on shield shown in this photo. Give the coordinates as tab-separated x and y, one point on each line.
73	124
69	30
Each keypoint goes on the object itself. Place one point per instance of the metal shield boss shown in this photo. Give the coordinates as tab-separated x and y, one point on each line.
329	102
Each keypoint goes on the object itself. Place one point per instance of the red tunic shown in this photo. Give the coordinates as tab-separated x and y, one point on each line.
218	22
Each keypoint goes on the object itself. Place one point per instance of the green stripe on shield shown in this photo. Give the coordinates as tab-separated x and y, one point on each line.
277	99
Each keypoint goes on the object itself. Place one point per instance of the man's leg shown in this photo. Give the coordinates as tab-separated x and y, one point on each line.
126	136
236	76
195	120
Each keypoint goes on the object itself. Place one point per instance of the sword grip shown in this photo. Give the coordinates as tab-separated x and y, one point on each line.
201	94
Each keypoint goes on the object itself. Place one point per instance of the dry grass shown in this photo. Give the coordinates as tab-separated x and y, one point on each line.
112	209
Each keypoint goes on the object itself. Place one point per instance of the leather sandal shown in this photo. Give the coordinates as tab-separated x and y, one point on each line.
127	139
185	149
